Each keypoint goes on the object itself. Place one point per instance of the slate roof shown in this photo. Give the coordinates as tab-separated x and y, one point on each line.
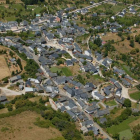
3	98
102	120
102	112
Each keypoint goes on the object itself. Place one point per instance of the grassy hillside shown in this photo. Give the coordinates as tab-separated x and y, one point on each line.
22	127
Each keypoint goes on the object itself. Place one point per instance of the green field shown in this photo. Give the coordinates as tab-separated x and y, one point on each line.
97	77
127	134
135	95
65	70
127	70
122	126
111	103
18	11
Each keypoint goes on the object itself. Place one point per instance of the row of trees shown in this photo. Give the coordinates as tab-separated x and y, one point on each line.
32	2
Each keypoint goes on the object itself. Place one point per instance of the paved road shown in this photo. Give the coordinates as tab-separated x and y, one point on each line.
9	92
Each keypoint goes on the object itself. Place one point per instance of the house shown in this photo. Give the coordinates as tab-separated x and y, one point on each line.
99	56
24	23
70	92
36	81
121	14
118	92
28	83
60	80
107	91
120	100
48	36
39	88
62	99
69	63
63	109
87	52
72	115
95	15
101	113
113	81
96	95
15	78
90	85
13	60
3	99
128	78
29	89
52	75
87	123
51	89
91	109
107	62
81	104
84	129
120	72
102	120
113	17
91	2
21	87
48	82
125	83
118	85
77	48
53	95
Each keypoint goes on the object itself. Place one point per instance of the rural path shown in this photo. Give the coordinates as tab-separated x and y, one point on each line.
8	92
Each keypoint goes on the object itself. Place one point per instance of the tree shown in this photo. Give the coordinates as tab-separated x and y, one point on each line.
7	1
132	43
127	103
13	73
128	37
17	84
19	63
10	107
98	42
116	136
81	18
1	106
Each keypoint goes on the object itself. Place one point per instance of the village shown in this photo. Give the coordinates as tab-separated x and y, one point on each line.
56	53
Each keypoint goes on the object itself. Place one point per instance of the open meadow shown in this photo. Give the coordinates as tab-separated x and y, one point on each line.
22	127
4	70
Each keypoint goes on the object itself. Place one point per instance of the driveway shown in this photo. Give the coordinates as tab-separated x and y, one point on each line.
125	93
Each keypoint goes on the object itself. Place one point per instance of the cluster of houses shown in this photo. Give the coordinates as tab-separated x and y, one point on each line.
125	79
78	111
130	10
